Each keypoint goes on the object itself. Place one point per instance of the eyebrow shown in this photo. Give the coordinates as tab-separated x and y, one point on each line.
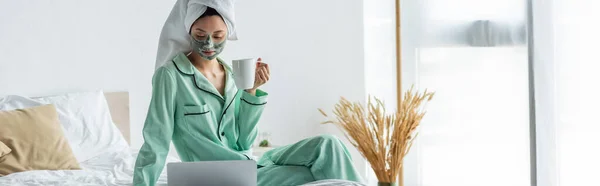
218	31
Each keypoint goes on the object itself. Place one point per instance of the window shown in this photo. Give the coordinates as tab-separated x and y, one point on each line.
477	128
474	54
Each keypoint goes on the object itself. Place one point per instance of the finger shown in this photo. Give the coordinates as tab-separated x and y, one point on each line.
261	65
258	69
264	79
259	62
259	75
264	75
268	70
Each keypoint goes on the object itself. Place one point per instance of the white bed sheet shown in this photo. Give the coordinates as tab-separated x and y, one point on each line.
109	169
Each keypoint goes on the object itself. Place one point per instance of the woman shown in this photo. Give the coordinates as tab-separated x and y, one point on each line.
196	104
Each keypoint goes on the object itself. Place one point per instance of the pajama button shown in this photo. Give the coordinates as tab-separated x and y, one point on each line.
222	133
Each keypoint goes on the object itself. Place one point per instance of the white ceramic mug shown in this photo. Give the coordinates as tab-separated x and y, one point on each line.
243	72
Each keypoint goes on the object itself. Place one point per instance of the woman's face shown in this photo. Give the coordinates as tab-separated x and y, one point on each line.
208	36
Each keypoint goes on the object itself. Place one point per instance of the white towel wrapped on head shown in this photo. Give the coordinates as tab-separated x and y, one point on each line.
175	37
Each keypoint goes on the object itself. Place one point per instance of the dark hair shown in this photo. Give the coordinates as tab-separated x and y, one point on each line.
210	12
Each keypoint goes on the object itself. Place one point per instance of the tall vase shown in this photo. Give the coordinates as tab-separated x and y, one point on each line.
400	181
386	184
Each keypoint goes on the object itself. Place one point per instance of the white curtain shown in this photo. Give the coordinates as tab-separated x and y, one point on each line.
577	91
473	53
566	88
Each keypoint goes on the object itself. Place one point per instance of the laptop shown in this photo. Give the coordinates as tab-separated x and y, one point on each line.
212	173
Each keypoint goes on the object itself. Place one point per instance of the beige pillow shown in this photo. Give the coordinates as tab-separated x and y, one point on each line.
36	139
4	150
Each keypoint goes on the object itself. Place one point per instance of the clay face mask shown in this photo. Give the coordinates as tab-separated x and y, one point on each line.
207	48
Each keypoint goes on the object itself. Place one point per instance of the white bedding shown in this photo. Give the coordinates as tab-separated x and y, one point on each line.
115	168
103	153
85	119
110	169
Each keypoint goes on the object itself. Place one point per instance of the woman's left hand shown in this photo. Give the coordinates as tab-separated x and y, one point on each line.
262	74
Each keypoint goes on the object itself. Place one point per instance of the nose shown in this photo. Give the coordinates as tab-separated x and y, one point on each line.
210	44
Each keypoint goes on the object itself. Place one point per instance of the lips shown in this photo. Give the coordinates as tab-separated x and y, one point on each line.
208	53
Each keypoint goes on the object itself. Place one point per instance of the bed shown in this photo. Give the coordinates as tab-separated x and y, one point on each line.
108	161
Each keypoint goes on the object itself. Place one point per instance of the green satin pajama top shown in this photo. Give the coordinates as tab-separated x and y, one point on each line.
203	125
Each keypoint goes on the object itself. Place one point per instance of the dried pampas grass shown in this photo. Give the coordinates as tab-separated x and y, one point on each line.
383	139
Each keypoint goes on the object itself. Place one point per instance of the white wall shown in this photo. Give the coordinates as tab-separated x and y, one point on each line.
316	52
51	47
314	47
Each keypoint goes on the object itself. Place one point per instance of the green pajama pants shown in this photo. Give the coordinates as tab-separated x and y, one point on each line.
317	158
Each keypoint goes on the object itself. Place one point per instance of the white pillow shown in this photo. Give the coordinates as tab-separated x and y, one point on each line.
85	119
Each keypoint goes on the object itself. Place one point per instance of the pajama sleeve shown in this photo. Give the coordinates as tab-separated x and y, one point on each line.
158	129
250	110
